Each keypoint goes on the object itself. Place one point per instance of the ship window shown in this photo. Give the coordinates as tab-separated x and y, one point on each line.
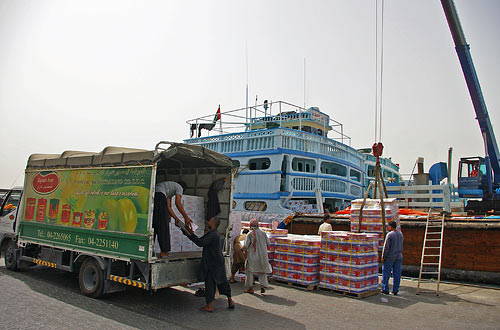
255	206
355	175
371	170
306	129
333	168
304	165
259	163
236	163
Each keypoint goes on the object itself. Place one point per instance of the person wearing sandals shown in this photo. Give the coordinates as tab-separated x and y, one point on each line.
256	244
212	269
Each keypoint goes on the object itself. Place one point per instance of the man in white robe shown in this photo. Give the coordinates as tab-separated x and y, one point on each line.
256	245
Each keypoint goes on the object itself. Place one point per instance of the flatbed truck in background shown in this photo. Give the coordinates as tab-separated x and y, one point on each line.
91	213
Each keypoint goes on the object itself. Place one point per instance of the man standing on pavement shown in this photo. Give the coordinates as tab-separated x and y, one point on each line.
212	269
325	226
164	192
238	255
392	259
256	245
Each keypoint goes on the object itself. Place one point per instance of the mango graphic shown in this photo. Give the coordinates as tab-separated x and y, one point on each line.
127	215
142	224
110	206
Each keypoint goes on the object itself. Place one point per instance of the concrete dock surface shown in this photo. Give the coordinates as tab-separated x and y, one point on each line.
42	298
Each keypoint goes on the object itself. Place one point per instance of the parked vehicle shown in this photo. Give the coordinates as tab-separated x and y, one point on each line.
9	204
92	213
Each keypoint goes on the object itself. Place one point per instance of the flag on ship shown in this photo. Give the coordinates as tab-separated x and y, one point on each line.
217	115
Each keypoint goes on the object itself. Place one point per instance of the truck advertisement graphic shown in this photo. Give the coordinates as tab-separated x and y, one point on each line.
105	208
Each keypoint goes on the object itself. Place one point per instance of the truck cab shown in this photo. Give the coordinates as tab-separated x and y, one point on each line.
9	204
472	177
8	209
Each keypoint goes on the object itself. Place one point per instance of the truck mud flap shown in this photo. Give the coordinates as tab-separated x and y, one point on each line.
44	263
127	281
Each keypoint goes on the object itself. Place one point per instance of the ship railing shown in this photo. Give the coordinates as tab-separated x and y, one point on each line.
268	139
243	119
383	161
425	196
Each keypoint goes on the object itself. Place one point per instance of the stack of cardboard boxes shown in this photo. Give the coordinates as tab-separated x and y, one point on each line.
372	216
273	234
349	261
194	207
296	259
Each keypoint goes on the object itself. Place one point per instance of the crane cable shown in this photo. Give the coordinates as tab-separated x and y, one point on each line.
379	62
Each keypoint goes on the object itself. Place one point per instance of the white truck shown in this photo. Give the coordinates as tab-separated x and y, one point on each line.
9	203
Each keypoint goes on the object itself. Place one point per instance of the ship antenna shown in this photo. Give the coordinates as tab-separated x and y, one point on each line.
304	83
246	108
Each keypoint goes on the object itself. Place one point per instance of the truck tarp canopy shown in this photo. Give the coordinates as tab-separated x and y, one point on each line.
190	156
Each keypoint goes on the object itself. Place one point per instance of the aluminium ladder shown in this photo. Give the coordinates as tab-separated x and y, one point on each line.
432	250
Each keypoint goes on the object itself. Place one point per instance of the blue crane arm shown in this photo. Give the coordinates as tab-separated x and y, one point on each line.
465	58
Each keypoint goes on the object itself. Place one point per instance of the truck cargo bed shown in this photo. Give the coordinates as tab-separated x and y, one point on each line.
177	269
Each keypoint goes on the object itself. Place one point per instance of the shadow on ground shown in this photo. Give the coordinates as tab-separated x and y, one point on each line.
408	297
166	308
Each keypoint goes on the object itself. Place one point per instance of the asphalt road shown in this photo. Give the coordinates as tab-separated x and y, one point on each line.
42	298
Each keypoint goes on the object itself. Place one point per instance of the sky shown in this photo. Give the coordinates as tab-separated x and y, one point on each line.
83	75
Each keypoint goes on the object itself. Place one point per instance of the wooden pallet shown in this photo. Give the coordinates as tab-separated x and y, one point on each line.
350	294
308	287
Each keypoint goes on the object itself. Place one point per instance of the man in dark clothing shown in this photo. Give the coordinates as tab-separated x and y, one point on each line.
162	212
161	223
213	207
392	259
212	269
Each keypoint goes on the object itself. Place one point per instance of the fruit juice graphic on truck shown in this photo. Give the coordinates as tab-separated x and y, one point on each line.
89	208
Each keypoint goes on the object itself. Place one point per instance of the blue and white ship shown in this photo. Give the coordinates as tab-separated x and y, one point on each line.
288	158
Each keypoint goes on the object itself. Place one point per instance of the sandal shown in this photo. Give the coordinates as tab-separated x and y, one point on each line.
204	309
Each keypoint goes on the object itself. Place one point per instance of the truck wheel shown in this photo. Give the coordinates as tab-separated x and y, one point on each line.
10	255
91	278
